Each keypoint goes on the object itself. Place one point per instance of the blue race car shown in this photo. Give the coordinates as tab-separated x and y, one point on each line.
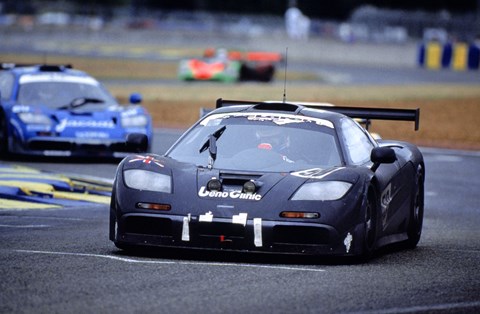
55	110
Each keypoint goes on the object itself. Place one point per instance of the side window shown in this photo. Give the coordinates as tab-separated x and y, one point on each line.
357	143
6	83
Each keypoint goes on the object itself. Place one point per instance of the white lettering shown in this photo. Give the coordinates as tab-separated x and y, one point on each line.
108	124
203	192
279	119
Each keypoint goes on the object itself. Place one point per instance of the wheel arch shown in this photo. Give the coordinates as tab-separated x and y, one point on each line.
4	133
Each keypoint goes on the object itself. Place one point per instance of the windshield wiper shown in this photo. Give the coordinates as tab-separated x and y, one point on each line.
211	144
81	101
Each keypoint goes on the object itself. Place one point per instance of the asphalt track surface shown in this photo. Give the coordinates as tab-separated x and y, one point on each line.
61	261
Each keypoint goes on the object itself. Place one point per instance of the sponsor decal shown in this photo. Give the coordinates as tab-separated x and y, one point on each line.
207	217
130	112
37	128
386	199
146	160
314	173
20	108
203	192
257	231
240	219
186	228
103	135
64	123
57	77
279	119
348	242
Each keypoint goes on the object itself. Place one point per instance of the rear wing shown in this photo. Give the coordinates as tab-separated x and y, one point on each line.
43	67
228	102
377	113
363	113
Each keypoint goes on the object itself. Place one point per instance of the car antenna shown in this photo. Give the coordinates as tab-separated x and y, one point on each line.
285	77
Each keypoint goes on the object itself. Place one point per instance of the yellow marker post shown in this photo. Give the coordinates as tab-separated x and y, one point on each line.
433	56
460	56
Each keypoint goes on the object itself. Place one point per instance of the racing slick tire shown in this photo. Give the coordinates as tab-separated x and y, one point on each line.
371	228
3	135
262	74
414	229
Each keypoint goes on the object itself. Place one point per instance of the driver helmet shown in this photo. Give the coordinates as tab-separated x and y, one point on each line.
272	137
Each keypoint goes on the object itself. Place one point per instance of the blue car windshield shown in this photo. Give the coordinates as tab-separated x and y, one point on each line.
60	94
251	143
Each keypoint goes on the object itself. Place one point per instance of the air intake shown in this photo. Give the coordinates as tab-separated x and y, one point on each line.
54	68
277	106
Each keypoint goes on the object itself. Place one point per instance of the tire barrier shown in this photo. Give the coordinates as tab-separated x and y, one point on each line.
455	56
27	188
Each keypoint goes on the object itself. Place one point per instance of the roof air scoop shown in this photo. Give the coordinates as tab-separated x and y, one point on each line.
54	67
280	106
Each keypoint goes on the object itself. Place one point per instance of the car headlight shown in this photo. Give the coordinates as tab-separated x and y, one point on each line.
322	191
34	118
148	180
134	121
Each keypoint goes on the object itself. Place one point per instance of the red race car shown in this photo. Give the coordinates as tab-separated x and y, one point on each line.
230	66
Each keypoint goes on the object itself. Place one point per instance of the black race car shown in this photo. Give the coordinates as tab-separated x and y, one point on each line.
274	177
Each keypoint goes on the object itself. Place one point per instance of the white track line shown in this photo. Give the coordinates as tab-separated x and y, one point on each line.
24	226
131	260
466	306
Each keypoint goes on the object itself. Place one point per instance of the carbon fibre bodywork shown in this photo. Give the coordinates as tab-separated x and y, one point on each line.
317	198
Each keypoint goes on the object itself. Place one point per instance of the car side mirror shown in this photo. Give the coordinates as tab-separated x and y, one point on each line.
382	155
135	98
137	142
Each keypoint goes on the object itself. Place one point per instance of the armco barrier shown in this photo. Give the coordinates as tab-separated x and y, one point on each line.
456	56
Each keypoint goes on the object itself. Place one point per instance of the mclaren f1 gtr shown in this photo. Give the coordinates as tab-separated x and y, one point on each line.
55	110
277	178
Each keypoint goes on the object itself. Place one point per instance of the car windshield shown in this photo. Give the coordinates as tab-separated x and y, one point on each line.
252	142
61	94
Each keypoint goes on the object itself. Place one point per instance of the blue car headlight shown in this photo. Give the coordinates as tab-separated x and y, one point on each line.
134	121
322	191
34	118
148	180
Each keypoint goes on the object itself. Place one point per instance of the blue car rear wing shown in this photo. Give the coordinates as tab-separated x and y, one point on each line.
366	114
41	67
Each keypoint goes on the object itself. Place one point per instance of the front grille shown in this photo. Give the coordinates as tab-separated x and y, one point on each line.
72	146
92	147
148	225
120	147
300	235
220	229
50	145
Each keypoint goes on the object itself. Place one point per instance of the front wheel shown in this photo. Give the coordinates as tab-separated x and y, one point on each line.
370	239
3	135
415	223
